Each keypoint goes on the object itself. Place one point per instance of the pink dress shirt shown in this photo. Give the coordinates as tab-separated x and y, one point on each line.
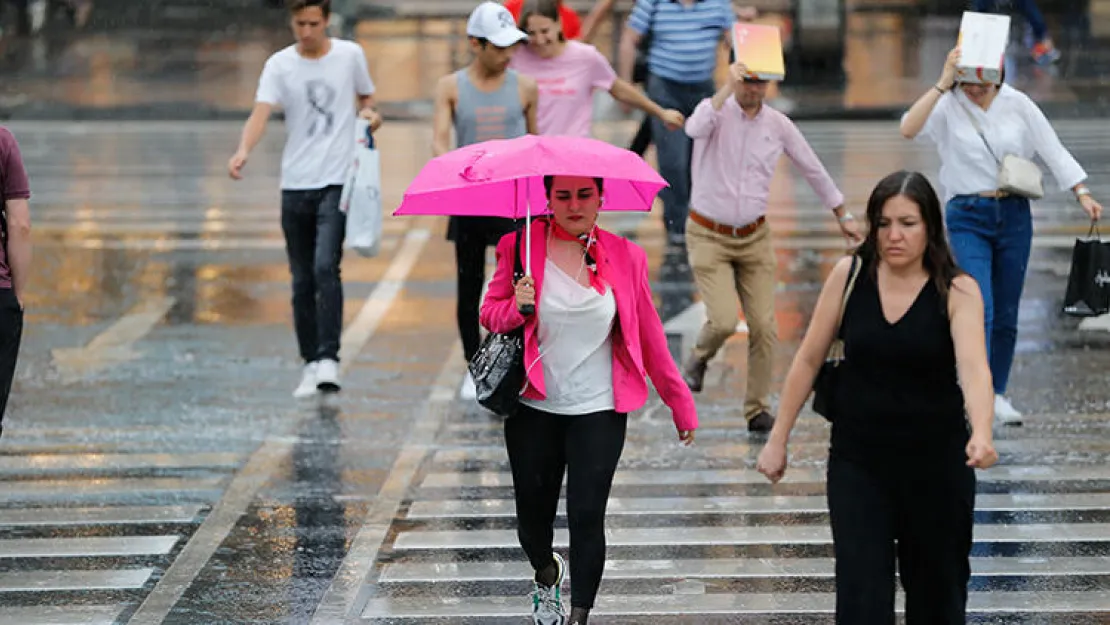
735	158
639	343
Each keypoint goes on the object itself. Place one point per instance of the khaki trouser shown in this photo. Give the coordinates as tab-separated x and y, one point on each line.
725	267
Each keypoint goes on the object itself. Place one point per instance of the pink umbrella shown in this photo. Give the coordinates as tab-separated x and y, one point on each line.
504	178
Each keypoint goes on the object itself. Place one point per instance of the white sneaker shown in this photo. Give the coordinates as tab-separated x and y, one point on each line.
1004	411
307	387
547	601
467	390
327	376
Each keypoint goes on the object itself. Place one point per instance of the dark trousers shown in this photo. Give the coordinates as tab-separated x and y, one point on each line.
314	229
674	147
642	139
541	446
922	516
472	235
991	240
11	332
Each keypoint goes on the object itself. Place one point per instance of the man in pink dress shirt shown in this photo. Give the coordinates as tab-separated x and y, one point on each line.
737	145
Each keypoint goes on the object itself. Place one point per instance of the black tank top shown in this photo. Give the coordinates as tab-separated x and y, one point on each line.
898	391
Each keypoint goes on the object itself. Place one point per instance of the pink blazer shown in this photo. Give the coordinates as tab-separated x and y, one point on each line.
639	343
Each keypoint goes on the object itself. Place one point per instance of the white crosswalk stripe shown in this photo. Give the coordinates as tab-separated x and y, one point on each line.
684	555
60	563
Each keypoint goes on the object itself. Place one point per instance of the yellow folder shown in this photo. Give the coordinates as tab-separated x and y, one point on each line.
760	48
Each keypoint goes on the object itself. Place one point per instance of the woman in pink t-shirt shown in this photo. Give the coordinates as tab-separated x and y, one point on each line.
568	72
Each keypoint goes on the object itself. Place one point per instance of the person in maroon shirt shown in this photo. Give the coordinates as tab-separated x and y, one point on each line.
15	258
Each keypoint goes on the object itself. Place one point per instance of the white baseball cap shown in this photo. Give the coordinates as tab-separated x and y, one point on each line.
494	23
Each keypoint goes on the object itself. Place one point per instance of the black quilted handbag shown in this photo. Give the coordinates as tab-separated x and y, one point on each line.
498	367
824	387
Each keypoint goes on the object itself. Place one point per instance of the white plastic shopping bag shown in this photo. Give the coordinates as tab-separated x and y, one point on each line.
362	195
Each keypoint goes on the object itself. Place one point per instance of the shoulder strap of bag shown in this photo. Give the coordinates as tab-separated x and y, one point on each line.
518	265
978	128
853	273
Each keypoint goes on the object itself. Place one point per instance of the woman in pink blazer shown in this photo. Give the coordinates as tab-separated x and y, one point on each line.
588	349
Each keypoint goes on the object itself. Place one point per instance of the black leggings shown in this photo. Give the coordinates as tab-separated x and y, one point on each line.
541	446
928	512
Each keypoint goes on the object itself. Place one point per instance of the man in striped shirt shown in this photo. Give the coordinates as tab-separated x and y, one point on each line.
685	36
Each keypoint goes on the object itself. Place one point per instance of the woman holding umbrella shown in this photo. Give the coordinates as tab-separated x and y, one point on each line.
593	340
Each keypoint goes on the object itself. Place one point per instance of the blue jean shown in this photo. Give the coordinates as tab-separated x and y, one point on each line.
314	229
674	147
991	240
1027	8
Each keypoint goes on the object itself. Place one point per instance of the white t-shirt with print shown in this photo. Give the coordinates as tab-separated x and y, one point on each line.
318	97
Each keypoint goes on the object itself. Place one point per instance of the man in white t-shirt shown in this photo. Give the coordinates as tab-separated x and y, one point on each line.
317	82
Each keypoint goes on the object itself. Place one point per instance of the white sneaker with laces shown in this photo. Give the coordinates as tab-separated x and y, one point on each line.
327	376
1004	411
307	387
467	390
547	601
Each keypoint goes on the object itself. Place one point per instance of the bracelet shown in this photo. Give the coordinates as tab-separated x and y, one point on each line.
939	90
846	217
1081	192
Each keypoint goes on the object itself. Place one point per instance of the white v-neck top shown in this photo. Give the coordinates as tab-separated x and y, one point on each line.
576	349
1013	124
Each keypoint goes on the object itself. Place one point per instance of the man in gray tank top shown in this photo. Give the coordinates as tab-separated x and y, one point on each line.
485	100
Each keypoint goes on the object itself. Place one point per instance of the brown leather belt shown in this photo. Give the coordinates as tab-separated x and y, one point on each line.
995	194
731	231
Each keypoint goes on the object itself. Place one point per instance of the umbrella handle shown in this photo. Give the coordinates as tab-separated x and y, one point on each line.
528	310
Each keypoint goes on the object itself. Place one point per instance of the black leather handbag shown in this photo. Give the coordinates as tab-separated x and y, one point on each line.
498	367
828	377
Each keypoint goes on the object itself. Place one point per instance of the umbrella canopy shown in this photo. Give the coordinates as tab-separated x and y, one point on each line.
504	178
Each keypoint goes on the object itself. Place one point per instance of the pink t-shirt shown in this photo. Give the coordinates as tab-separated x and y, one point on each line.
566	85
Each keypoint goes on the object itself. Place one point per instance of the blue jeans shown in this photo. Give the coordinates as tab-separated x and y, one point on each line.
674	147
991	240
1027	8
314	229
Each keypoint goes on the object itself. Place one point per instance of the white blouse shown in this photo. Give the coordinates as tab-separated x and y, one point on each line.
575	326
1013	124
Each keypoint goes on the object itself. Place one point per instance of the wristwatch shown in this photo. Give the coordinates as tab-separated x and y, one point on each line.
1081	191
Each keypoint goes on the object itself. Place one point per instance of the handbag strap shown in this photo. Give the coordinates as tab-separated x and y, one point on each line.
978	129
518	266
853	273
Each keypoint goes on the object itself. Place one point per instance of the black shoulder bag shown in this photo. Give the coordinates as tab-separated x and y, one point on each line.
824	387
498	367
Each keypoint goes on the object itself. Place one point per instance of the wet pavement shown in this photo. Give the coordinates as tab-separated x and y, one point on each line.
153	467
185	60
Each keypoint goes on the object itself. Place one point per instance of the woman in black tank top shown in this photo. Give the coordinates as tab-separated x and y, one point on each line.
901	485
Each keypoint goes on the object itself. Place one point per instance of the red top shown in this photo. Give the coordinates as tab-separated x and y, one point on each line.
572	25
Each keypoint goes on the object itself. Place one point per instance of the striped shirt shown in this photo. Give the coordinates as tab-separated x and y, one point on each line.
684	38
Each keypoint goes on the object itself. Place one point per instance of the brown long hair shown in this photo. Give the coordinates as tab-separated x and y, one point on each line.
938	260
542	8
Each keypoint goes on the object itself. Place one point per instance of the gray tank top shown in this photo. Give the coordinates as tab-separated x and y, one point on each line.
482	116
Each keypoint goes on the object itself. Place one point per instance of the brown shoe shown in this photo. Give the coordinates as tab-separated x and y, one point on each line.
761	423
693	372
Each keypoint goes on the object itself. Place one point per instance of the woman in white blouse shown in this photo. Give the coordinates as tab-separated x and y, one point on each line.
991	231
